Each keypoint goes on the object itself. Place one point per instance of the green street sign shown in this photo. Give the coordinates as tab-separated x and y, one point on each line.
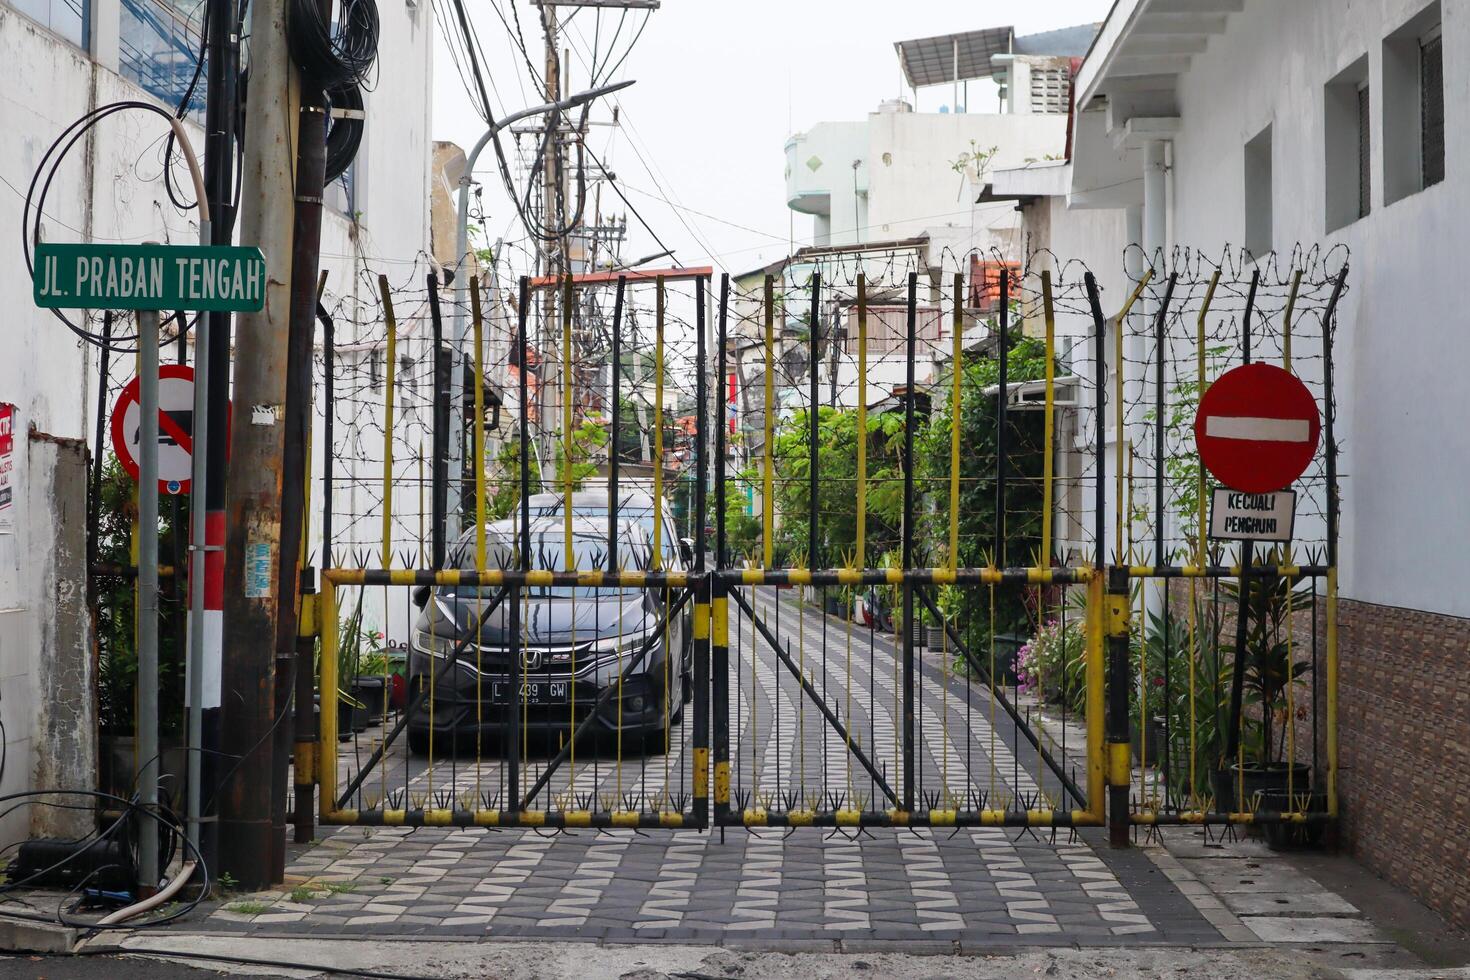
149	277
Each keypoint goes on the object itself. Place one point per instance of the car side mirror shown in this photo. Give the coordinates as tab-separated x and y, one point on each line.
421	596
686	550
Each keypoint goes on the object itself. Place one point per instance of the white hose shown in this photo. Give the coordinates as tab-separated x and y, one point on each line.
158	898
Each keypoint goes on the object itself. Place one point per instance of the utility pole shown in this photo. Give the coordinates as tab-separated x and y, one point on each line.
257	436
212	363
293	653
552	218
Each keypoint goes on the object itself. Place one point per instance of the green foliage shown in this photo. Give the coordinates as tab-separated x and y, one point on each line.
1270	667
1182	468
504	481
974	161
248	908
116	608
742	528
588	440
837	436
978	467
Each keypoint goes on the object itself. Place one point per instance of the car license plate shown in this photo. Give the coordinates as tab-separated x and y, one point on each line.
532	692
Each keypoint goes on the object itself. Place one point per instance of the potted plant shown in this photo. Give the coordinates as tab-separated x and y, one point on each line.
1270	669
361	663
114	619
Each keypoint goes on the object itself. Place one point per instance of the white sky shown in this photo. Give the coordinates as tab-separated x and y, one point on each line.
720	85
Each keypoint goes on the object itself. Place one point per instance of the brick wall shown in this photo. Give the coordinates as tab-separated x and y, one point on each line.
1404	743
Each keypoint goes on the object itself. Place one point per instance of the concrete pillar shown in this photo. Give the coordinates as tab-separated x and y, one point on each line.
1155	203
1155	244
65	743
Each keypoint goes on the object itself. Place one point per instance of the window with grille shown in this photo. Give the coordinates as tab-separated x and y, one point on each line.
71	19
888	329
1051	89
1412	106
1431	112
985	282
1348	145
1365	153
158	49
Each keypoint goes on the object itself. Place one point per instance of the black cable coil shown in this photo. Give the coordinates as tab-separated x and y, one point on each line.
332	56
344	135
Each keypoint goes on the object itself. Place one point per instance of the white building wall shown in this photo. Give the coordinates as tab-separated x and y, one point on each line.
913	186
108	191
1401	343
906	184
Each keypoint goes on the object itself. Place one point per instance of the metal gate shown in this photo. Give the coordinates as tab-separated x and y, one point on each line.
853	655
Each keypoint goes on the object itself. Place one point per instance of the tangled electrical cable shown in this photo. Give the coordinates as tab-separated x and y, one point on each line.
132	813
333	56
345	135
344	132
51	160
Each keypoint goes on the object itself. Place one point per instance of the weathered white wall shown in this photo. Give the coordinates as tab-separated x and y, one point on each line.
1401	342
108	191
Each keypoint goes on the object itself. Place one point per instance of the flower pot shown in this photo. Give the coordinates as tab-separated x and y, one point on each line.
369	691
1007	649
1293	836
351	719
117	763
1147	752
920	633
1253	778
833	605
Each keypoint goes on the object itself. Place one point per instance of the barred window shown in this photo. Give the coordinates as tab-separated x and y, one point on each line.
70	19
1411	106
159	47
1365	153
1431	111
1051	89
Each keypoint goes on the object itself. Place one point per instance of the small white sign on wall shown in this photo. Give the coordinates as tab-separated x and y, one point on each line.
1259	516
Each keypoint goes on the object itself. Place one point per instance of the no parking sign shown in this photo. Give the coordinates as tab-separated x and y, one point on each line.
175	428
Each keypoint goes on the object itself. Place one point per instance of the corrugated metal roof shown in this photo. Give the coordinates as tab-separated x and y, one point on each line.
931	60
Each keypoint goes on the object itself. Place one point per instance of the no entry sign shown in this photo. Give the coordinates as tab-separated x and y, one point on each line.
1257	428
175	427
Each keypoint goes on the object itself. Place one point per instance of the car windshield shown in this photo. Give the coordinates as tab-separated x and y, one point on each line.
548	552
638	513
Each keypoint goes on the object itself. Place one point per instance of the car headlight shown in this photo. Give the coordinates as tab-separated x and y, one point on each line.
426	642
628	648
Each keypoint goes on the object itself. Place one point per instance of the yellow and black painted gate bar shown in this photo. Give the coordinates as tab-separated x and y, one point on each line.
900	576
719	605
699	743
1120	757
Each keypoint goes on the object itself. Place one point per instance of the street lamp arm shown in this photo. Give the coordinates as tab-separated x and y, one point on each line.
570	102
461	248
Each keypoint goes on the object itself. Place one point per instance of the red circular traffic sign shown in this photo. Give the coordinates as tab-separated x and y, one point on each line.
1257	428
175	427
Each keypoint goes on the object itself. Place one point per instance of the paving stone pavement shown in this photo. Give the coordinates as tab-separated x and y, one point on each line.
987	886
981	885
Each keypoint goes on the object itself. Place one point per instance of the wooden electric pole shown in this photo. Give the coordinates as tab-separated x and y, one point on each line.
253	487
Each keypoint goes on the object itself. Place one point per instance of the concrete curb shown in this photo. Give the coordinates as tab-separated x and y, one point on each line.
24	936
